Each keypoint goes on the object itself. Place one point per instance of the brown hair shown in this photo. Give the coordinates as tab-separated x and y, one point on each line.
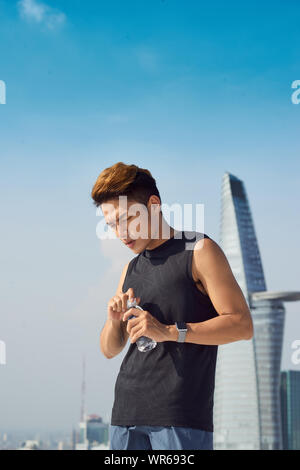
124	180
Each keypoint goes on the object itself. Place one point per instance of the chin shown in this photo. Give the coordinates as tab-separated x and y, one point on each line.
138	247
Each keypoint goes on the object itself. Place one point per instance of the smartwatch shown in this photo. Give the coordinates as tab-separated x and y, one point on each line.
182	329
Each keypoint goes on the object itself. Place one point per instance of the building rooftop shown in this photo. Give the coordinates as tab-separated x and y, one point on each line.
286	296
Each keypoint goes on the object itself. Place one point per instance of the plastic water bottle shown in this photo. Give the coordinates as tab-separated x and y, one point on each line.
143	343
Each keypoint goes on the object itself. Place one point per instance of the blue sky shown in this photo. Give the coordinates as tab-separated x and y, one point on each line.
187	89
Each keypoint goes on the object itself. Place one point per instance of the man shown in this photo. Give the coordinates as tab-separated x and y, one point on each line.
190	304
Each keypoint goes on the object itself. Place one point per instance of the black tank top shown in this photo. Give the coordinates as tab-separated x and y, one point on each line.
173	384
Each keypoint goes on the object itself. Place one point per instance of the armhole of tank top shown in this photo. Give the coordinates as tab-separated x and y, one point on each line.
190	270
129	269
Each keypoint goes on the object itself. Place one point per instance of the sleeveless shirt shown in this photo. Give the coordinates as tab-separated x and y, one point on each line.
173	384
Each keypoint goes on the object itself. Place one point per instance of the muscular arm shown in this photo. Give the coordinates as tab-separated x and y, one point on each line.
114	336
234	321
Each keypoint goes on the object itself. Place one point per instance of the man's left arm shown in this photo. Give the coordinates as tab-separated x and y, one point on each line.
234	321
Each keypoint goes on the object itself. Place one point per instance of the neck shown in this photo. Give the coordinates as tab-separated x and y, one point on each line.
164	232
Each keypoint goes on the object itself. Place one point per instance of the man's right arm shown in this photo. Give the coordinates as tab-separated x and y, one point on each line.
114	335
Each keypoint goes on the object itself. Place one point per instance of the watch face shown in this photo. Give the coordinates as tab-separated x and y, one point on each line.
181	325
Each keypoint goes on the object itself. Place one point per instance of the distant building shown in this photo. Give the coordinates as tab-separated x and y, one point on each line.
60	445
247	399
97	431
290	409
81	446
92	433
82	433
74	438
100	447
29	445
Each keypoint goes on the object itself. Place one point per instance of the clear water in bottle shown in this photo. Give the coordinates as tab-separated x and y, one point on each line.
143	343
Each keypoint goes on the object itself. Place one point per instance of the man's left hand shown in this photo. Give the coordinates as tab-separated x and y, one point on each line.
146	325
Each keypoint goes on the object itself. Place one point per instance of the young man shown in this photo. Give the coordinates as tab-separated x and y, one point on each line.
191	303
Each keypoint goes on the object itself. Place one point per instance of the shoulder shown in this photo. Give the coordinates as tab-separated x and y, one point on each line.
197	241
205	243
208	255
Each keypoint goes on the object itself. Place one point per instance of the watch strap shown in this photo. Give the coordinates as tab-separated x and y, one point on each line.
182	329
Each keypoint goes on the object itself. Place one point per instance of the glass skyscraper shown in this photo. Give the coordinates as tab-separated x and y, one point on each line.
247	399
290	409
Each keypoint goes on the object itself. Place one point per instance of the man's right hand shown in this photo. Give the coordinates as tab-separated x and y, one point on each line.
117	305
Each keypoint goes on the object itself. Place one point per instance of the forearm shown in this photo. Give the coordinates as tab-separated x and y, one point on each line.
112	340
225	328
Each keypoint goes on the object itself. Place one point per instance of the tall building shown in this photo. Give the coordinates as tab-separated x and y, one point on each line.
97	431
74	438
247	399
82	441
93	432
290	409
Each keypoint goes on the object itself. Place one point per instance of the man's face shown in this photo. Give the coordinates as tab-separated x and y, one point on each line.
131	222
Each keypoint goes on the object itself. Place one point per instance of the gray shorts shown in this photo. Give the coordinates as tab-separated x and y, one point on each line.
159	438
